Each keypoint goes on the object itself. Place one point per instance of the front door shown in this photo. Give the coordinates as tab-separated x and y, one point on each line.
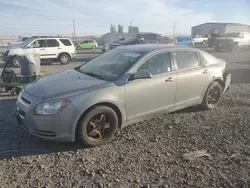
193	78
147	96
39	46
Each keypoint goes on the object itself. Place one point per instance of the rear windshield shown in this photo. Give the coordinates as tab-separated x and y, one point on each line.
232	35
66	42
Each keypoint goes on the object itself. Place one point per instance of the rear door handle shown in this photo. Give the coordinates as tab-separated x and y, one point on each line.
205	72
170	79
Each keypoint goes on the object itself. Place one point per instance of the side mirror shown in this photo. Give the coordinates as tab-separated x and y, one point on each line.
141	39
142	74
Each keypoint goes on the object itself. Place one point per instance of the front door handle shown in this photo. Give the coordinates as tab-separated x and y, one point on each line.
42	49
170	79
59	48
205	72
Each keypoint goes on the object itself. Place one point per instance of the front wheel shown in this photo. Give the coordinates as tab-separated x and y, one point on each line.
15	62
97	127
64	59
212	96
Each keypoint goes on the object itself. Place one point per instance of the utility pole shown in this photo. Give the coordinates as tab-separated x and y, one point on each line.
74	28
174	31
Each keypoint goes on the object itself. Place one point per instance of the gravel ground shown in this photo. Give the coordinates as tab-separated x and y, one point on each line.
153	153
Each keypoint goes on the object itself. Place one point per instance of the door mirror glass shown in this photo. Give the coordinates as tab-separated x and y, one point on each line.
142	74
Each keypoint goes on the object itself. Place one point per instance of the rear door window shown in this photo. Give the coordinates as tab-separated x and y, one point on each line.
158	64
186	60
52	43
66	42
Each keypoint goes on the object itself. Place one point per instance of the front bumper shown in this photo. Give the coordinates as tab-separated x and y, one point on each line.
6	58
56	127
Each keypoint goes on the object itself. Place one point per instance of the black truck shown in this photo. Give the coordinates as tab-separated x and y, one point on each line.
141	38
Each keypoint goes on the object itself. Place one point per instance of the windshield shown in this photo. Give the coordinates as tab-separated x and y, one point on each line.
26	42
110	65
232	35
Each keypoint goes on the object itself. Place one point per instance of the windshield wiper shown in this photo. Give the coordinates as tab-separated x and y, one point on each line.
93	75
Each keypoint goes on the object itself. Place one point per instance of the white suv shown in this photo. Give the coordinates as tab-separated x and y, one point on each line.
61	49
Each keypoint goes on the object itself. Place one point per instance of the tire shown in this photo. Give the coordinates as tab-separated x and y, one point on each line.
88	135
64	59
78	47
15	61
208	101
234	48
204	42
191	45
94	47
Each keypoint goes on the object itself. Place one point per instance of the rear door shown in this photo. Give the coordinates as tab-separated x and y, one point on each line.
53	48
193	78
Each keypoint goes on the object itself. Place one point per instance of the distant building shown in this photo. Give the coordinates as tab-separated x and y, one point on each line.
220	28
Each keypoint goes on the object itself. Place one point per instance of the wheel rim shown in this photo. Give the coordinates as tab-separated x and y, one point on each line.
15	62
213	96
64	59
98	127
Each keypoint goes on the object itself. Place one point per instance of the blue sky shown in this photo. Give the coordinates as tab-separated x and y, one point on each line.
94	17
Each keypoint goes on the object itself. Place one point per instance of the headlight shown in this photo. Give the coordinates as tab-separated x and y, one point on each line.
51	107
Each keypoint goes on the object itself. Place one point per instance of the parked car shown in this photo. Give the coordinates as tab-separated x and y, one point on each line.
211	39
233	41
120	87
141	38
199	39
61	49
115	43
17	42
87	44
185	41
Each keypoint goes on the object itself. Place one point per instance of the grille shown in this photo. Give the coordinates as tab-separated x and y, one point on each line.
6	53
26	101
22	113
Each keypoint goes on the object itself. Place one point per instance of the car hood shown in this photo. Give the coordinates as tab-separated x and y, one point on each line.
63	83
227	38
11	46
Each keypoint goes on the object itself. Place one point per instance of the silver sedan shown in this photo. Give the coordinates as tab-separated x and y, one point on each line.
126	85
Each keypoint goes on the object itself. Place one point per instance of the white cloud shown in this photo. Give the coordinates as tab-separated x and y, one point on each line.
95	17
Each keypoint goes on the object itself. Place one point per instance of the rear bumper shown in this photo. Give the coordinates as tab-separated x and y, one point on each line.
227	82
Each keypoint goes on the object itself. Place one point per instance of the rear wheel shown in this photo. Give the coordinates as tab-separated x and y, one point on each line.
212	96
97	127
64	59
15	61
234	48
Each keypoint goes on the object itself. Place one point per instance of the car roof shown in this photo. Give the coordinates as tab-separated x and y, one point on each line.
153	47
42	38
